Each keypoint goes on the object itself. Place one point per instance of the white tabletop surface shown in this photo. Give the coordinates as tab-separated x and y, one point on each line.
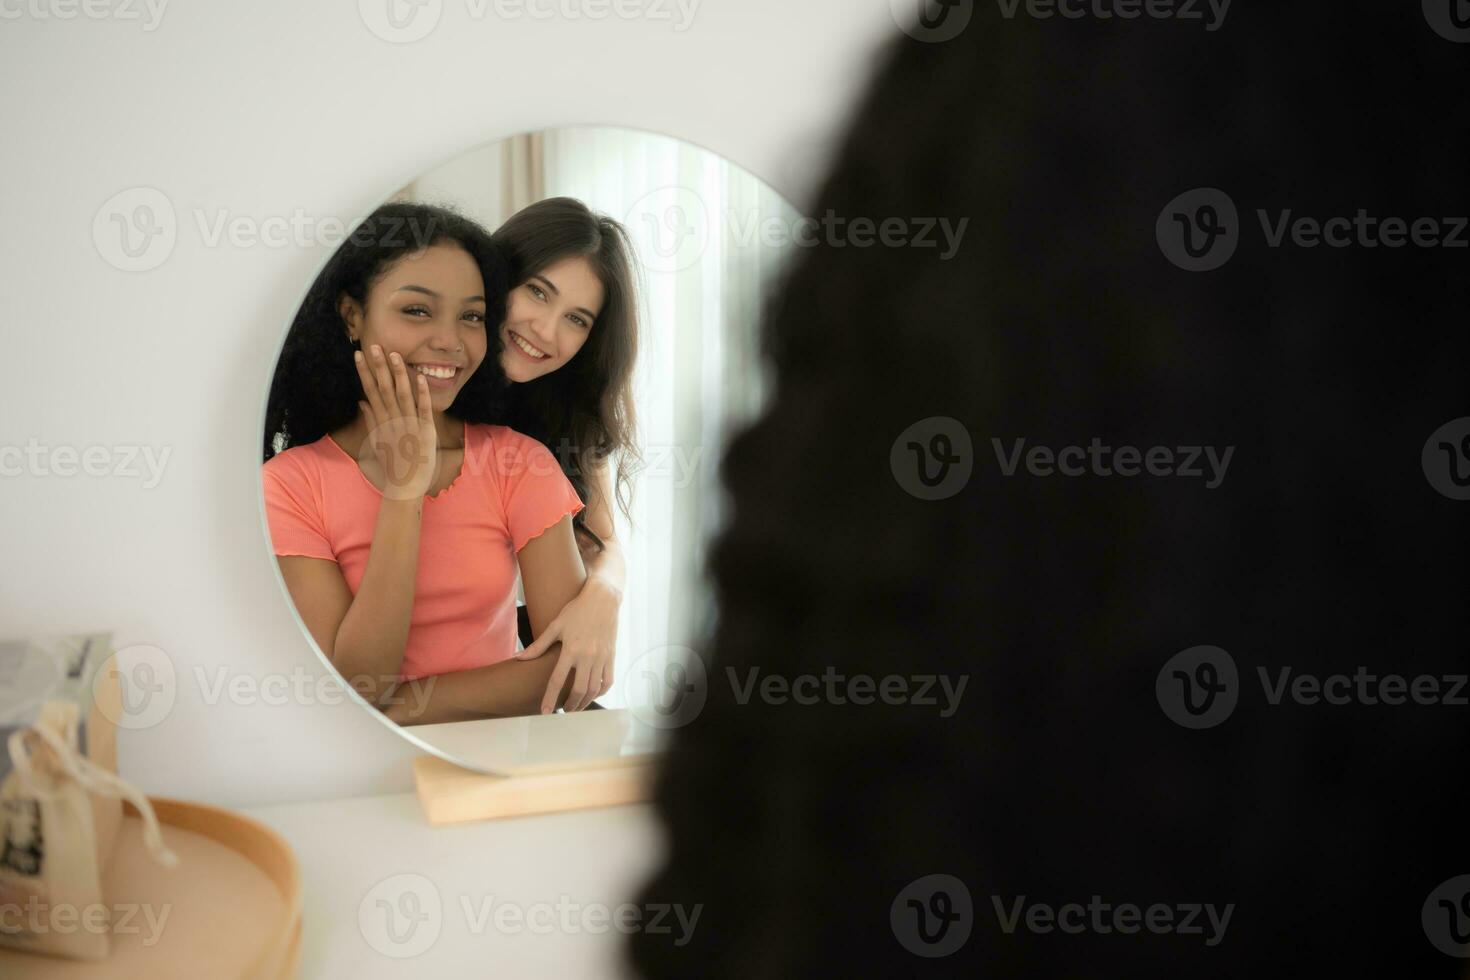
530	744
523	897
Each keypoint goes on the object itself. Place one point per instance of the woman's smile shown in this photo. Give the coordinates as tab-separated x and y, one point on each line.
439	375
525	347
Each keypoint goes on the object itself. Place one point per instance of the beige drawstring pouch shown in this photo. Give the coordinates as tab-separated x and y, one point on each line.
50	859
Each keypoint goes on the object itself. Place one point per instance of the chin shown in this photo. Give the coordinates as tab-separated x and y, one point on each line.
515	372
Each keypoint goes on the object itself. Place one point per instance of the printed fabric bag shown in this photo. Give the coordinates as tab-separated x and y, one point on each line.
51	898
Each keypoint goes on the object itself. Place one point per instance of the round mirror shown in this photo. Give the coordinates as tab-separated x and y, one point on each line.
492	439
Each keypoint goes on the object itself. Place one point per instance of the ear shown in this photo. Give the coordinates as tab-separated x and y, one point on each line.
351	312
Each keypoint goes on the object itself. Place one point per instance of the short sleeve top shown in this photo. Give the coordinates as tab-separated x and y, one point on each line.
319	504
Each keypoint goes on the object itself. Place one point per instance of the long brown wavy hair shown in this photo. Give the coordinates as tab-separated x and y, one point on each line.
583	412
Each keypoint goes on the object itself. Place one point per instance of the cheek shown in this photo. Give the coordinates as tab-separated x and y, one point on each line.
387	335
515	310
475	345
573	340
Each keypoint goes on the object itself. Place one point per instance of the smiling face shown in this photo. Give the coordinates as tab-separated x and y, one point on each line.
549	317
429	306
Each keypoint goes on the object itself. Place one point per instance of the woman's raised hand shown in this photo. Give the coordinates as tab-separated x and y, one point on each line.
401	433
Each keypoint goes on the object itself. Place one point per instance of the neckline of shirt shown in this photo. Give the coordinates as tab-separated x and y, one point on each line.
465	446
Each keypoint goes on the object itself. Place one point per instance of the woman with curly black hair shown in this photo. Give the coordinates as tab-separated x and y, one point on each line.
398	509
1085	810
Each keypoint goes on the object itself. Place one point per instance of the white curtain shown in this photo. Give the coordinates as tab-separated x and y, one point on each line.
700	227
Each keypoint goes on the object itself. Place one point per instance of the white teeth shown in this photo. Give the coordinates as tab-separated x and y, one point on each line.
436	372
527	347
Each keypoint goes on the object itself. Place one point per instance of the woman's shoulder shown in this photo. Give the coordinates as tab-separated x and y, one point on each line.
506	452
503	437
309	461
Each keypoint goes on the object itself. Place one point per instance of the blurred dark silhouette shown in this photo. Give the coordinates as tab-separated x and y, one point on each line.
1325	548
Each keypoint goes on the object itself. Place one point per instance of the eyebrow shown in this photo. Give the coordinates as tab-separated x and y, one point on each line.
429	292
552	286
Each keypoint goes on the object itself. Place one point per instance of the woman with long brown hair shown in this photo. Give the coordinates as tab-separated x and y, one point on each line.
569	340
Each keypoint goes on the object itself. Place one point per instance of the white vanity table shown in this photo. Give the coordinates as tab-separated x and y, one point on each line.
555	871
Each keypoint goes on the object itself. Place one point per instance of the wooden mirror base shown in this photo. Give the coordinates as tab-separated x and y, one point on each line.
452	794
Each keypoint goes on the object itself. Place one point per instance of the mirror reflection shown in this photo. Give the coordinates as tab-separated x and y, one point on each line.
492	436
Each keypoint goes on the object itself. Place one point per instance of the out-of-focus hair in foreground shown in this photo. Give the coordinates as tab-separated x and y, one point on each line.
1072	314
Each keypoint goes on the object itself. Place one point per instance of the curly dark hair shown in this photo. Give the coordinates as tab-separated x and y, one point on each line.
1324	550
316	388
584	411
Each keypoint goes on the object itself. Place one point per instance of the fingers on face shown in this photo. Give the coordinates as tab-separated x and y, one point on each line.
369	386
401	386
382	376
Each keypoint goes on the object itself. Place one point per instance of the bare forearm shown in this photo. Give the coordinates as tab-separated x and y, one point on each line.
505	689
371	639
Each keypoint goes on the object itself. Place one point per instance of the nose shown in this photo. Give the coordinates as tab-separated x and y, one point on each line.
543	334
538	330
445	337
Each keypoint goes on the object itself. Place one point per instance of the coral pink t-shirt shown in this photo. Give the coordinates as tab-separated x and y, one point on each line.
509	490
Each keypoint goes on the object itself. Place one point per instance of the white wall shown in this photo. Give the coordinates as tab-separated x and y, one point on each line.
281	108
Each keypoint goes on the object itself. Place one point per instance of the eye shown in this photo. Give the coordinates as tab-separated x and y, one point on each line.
536	290
475	316
577	319
418	310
